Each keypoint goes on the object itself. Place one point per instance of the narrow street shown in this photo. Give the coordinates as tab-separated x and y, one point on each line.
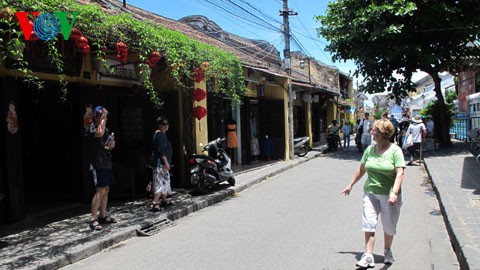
295	220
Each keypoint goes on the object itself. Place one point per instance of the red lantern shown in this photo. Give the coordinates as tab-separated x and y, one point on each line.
198	94
81	42
75	34
85	50
153	59
199	75
122	52
199	112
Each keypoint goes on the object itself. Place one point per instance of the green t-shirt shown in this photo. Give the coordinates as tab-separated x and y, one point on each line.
381	169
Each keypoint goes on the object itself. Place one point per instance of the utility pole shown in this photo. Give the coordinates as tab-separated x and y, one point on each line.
286	54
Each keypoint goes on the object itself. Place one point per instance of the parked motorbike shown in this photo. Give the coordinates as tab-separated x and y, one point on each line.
209	170
300	146
333	140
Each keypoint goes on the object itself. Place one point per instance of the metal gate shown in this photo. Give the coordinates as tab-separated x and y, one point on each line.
462	124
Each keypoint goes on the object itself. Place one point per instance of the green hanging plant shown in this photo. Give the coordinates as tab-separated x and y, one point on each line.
104	30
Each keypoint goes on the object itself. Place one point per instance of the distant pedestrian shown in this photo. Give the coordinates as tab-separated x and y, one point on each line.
346	130
384	165
162	160
419	132
367	128
402	130
395	126
101	142
358	129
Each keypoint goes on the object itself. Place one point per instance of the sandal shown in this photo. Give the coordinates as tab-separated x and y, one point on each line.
154	207
95	226
106	220
167	203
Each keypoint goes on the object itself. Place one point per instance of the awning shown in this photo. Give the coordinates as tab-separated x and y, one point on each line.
342	102
313	89
268	71
475	96
305	85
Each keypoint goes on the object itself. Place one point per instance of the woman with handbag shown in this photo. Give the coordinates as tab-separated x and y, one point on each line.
384	164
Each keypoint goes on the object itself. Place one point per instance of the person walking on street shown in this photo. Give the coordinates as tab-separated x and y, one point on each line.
101	142
395	126
162	160
358	129
384	165
418	131
346	130
367	128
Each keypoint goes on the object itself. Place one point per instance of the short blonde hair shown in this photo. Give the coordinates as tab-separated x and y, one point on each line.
384	127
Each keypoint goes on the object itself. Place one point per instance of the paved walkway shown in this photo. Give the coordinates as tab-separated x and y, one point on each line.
455	175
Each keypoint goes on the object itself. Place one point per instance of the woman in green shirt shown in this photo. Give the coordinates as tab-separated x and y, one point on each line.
384	165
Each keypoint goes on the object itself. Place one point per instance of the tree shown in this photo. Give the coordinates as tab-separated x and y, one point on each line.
391	37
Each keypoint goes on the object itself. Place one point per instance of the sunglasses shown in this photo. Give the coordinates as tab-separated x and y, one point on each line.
164	123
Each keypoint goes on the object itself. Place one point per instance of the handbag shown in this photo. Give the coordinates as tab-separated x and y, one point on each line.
408	141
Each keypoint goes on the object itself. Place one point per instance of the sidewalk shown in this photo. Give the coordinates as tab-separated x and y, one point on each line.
455	174
69	240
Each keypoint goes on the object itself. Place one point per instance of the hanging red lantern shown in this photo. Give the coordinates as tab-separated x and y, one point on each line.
81	42
85	50
199	112
199	75
122	52
75	34
198	94
153	59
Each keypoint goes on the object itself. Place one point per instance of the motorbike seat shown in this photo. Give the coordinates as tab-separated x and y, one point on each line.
200	156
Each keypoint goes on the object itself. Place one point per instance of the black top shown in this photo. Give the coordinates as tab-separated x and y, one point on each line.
161	147
99	157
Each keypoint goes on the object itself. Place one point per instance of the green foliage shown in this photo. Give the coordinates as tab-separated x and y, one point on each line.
432	109
401	36
105	30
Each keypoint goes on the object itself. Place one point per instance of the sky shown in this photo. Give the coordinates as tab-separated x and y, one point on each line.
265	26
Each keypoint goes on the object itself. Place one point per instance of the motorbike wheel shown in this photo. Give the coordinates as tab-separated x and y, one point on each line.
203	186
231	181
303	151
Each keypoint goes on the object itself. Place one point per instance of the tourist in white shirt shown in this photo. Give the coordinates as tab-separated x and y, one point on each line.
418	131
367	128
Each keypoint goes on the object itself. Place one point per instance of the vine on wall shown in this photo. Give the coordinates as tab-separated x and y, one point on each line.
104	30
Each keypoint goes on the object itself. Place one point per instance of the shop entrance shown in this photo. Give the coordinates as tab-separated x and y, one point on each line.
50	145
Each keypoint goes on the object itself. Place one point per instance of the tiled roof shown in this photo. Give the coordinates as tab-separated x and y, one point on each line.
116	7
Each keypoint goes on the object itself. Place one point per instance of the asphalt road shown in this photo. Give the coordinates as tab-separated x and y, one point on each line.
295	220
